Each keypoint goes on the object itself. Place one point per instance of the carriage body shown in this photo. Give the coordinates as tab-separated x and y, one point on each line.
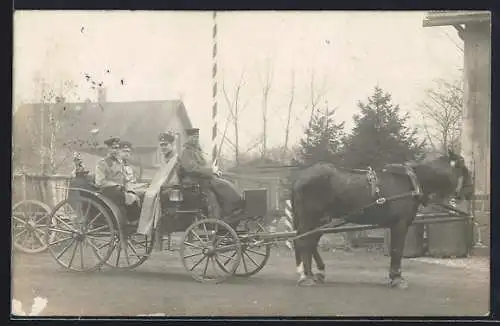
88	215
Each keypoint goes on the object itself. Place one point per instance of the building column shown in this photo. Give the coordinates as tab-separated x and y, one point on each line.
477	103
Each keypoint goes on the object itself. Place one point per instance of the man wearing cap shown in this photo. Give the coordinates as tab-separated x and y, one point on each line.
166	176
125	153
110	176
193	166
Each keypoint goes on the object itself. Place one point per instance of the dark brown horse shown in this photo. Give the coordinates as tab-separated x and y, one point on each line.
388	198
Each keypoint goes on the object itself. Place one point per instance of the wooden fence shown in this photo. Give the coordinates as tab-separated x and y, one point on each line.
45	188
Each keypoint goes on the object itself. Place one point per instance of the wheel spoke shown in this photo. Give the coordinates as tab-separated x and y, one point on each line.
192	245
223	267
28	233
97	229
199	261
65	249
27	210
212	259
66	224
253	261
20	220
118	253
93	219
244	264
61	230
143	244
42	216
59	241
88	210
229	258
196	235
206	231
193	255
256	252
38	237
96	249
126	254
133	248
81	255
72	255
206	267
21	232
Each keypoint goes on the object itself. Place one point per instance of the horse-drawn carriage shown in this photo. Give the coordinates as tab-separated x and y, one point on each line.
87	230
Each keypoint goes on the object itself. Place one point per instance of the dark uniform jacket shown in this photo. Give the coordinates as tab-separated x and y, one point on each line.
192	165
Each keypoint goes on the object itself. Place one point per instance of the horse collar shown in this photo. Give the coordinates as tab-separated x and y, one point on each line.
417	191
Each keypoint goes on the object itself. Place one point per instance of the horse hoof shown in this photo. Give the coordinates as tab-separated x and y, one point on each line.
398	283
319	278
306	281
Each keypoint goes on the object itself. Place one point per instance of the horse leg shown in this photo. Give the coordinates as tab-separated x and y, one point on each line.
398	238
320	275
306	255
298	261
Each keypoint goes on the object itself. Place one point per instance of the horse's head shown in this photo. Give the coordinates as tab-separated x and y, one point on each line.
450	176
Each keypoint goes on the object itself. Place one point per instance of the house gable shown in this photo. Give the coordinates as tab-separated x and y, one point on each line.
137	122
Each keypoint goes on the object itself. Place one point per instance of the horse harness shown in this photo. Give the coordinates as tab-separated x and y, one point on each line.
371	175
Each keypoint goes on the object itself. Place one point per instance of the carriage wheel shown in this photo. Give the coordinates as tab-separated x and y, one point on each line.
29	221
134	253
213	240
81	235
254	254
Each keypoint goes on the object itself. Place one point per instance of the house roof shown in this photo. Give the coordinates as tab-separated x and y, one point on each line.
455	17
138	122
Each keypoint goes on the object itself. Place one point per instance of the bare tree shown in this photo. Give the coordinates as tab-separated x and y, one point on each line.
441	113
235	110
48	132
316	94
290	105
266	89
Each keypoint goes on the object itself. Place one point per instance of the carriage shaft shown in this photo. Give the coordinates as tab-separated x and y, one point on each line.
283	236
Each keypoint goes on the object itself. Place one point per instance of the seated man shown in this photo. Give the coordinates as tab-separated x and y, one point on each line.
193	169
132	189
165	177
110	177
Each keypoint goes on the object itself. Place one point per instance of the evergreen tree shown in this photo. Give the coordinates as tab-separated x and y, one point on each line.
323	138
380	135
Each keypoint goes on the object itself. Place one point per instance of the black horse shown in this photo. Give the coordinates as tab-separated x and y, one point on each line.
323	193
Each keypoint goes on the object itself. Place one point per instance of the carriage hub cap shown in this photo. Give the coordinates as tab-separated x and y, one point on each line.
209	251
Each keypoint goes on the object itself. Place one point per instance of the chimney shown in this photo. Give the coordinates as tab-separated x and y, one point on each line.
101	95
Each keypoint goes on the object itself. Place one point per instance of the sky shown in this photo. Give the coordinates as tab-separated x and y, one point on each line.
168	55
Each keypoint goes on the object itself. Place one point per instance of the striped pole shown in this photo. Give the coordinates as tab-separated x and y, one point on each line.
214	90
288	221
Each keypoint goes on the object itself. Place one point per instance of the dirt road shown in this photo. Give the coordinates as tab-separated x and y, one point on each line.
356	286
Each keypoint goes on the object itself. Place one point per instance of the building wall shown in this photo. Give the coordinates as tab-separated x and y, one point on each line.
477	103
